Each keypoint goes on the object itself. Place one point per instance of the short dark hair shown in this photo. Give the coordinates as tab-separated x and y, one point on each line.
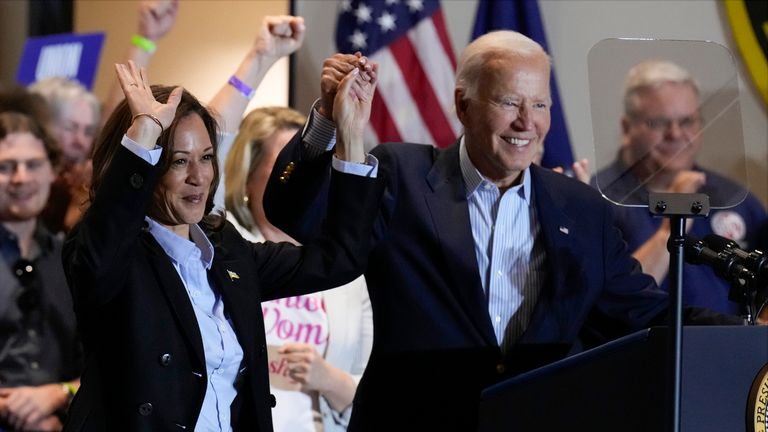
19	99
109	141
15	122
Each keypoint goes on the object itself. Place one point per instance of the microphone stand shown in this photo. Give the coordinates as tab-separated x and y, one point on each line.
743	290
729	265
676	207
749	276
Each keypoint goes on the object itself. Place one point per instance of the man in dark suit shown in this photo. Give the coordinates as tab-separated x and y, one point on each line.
484	265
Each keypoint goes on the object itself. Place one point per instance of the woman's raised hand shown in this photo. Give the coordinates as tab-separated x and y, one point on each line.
150	117
279	36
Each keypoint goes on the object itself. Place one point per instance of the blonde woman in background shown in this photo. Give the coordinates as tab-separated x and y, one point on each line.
318	344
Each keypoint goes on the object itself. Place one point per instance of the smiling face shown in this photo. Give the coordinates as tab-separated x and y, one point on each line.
26	175
506	121
183	191
663	133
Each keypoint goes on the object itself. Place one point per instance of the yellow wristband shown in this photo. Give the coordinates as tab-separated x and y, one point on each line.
144	43
69	388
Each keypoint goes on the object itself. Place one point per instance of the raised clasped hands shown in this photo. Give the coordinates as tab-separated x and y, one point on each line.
352	110
279	36
138	93
335	68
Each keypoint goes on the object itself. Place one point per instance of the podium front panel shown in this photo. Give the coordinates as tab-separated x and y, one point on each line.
622	385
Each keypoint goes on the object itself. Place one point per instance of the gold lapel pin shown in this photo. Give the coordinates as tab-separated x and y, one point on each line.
232	275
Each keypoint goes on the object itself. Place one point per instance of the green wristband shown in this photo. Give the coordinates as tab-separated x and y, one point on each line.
144	43
69	388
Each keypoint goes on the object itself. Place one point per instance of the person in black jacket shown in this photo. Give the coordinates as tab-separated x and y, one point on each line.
483	264
166	294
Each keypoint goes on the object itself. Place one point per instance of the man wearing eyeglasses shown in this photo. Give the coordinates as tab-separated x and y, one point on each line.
40	356
661	138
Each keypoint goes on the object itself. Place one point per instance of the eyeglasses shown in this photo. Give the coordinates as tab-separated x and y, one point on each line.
663	124
29	299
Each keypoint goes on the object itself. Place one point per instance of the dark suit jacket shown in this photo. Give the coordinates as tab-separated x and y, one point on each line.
434	348
145	367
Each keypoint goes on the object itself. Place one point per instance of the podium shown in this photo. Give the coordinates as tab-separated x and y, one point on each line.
621	386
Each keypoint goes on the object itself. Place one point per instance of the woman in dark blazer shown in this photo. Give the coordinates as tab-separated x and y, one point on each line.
166	293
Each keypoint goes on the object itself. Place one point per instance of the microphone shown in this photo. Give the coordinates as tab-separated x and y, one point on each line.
725	263
755	261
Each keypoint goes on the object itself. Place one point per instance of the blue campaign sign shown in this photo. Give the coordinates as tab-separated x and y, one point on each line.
73	56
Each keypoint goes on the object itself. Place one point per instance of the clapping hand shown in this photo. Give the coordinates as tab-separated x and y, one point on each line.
580	169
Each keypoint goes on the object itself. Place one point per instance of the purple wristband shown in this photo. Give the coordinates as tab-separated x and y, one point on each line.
242	87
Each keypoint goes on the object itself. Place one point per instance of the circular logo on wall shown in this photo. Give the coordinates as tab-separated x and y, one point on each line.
757	412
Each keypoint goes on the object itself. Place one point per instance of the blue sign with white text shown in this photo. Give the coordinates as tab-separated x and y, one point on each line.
73	56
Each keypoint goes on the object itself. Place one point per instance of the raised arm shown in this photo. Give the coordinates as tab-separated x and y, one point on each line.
99	249
278	36
156	18
297	190
150	117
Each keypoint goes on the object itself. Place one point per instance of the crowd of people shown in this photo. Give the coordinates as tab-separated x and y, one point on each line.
172	264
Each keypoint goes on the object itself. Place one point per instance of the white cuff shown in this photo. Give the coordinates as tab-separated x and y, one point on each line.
368	169
151	156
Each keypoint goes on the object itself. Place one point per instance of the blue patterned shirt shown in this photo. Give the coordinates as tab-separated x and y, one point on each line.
508	246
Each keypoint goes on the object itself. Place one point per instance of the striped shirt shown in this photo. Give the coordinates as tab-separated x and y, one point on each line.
508	246
506	232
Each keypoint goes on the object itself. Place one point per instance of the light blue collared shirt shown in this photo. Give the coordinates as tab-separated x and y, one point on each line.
223	353
508	247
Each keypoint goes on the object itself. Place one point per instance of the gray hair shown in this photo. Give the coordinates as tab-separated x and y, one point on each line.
492	45
651	74
58	92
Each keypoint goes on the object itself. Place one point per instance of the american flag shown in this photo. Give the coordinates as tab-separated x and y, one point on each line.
408	38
